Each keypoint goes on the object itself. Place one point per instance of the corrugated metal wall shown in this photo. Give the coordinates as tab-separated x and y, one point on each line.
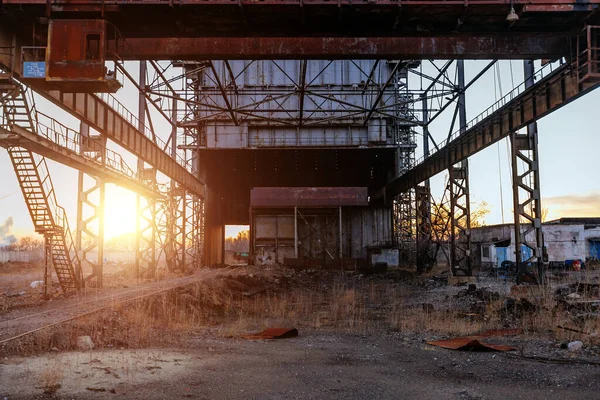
364	227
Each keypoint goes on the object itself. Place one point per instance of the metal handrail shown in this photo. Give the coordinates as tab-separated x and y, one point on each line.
69	138
120	109
543	72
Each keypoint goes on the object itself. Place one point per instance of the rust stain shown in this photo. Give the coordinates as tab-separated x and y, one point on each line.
273	333
475	342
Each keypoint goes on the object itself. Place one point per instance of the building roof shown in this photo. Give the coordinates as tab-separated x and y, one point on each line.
576	220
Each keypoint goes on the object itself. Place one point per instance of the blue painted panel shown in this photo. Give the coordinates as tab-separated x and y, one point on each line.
501	255
595	249
34	69
526	253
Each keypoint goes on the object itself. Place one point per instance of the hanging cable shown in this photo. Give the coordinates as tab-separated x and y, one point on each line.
497	81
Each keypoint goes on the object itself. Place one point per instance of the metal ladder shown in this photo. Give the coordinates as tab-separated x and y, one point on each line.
49	219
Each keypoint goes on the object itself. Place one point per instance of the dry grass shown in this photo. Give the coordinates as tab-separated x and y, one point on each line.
341	303
51	378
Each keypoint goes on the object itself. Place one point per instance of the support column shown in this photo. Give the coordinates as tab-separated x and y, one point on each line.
425	260
340	226
48	266
146	208
529	238
295	232
90	207
404	210
460	208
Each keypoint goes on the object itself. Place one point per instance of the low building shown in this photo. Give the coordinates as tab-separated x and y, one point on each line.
324	226
565	239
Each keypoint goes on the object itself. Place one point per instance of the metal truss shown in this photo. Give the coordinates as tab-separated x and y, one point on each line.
176	230
146	238
194	235
284	92
425	257
90	206
460	220
529	239
404	211
90	223
460	203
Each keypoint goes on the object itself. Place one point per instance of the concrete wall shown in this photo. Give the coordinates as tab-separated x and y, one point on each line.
21	256
563	241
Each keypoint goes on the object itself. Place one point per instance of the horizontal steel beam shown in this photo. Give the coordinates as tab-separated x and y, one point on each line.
547	95
95	112
550	4
21	137
473	46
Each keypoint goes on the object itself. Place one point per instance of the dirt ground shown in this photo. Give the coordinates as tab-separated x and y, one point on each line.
361	336
314	365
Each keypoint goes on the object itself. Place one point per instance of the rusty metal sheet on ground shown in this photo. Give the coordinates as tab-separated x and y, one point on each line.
475	343
470	344
273	333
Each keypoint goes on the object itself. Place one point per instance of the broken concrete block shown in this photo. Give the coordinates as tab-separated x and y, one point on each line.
575	346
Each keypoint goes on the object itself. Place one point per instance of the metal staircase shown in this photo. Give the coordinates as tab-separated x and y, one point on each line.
49	219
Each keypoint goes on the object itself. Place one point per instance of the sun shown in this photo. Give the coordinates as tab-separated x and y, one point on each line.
119	211
232	231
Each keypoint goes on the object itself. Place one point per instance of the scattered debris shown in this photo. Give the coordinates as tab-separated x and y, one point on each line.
518	307
572	330
475	343
575	346
96	389
84	343
36	284
51	389
273	333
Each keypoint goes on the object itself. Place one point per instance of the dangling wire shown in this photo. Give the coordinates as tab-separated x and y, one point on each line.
498	145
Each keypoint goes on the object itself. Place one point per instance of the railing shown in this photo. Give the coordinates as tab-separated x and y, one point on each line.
120	109
69	243
48	189
588	56
70	139
543	72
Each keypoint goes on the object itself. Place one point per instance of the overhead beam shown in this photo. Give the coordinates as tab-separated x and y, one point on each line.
38	144
472	46
92	110
545	96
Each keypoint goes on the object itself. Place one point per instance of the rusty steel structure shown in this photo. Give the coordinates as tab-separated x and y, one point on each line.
292	93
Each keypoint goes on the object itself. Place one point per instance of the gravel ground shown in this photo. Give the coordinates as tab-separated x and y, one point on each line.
315	365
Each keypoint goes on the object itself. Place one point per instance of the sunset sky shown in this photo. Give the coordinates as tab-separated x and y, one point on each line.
569	151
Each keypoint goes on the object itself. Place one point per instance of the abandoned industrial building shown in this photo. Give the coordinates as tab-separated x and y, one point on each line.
181	179
566	239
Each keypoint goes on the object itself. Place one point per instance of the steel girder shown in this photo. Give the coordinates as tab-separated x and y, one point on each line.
460	203
526	194
472	46
516	110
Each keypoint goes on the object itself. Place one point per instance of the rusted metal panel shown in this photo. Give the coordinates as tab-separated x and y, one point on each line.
76	50
515	46
308	197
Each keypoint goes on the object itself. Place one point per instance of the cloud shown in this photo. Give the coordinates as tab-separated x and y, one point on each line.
6	227
10	239
577	205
